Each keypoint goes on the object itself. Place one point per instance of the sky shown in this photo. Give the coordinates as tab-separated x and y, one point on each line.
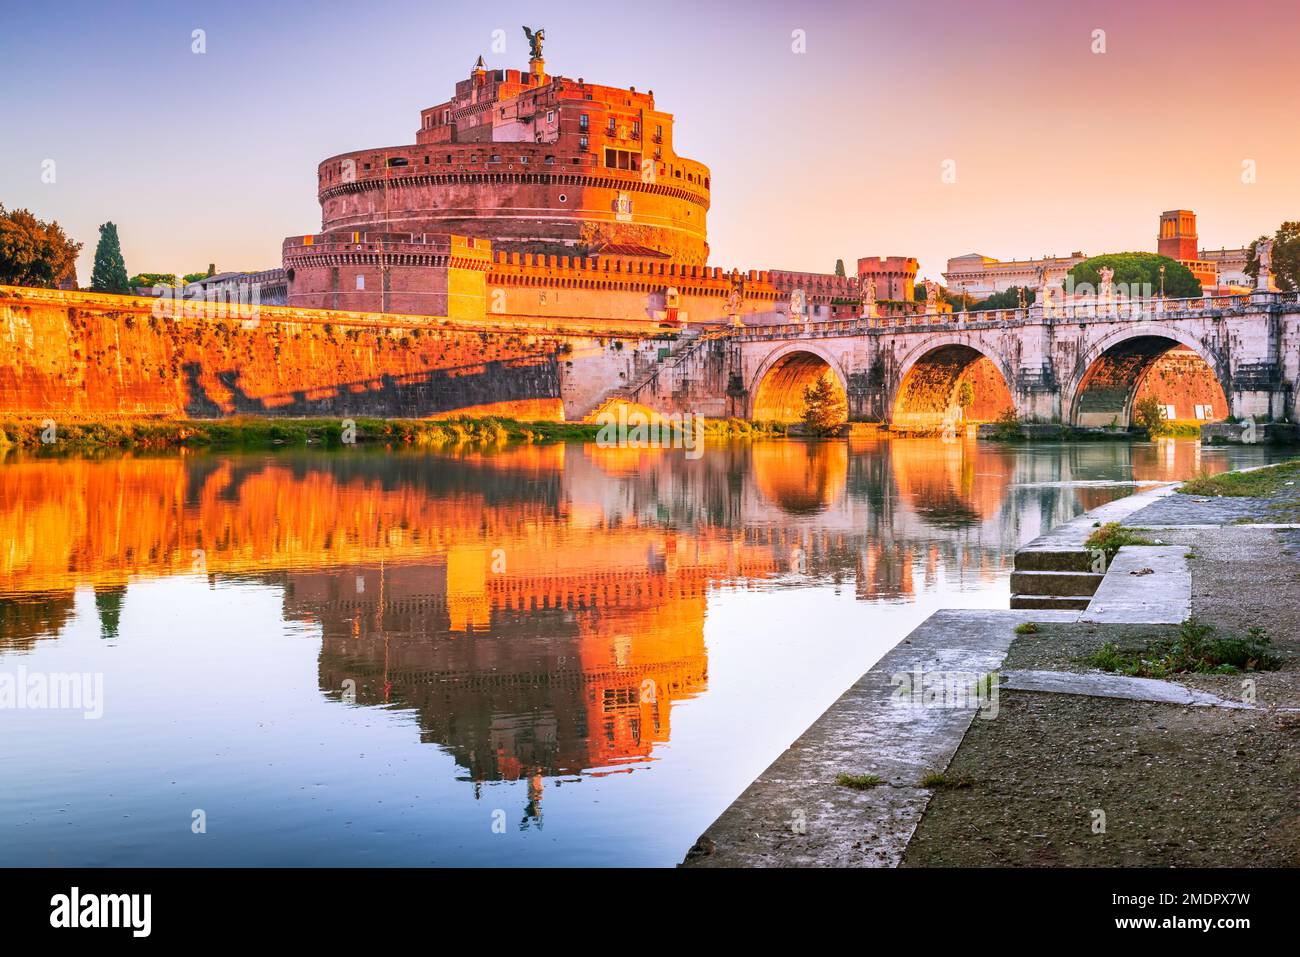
930	128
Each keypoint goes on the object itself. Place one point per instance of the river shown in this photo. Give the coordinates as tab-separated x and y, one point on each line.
520	655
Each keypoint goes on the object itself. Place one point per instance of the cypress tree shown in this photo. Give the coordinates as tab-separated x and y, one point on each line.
109	274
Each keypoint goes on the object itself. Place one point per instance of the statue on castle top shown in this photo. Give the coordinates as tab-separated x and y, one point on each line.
535	41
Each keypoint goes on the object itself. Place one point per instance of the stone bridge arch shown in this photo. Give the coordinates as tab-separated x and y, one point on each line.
925	396
776	388
1103	386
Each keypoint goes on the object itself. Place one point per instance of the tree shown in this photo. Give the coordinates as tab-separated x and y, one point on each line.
109	274
1137	274
1286	257
35	253
1150	414
147	280
839	268
965	396
825	408
1006	299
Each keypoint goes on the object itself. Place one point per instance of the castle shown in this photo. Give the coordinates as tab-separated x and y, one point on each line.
541	197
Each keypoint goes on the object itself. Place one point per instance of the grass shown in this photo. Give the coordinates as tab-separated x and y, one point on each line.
1196	649
1006	428
1113	536
859	782
1027	628
942	780
1175	430
1259	483
252	432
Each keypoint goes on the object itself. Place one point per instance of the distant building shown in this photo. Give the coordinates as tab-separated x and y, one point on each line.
981	276
270	285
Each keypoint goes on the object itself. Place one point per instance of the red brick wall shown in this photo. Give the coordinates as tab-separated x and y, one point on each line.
88	354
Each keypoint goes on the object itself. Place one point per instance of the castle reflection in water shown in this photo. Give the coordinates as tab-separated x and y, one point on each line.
540	608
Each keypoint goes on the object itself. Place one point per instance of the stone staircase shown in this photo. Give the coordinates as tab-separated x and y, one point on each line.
1056	570
1060	579
649	378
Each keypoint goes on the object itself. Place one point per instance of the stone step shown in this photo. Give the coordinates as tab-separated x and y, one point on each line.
1069	583
1054	560
1054	602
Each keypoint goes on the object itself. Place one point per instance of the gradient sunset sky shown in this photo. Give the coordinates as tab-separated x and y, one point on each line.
836	152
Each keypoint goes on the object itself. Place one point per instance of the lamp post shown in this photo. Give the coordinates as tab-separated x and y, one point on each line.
1162	281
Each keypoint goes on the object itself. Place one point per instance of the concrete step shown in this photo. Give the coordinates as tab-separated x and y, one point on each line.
1054	560
1054	602
1054	583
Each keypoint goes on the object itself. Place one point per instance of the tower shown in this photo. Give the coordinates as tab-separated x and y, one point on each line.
1177	238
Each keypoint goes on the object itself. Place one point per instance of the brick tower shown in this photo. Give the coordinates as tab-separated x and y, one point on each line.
1177	238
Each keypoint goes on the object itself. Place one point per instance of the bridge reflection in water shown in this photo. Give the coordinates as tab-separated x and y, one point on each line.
540	610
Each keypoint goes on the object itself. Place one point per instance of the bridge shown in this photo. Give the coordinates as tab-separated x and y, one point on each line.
1078	362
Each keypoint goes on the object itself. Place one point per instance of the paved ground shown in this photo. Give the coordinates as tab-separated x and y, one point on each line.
1079	779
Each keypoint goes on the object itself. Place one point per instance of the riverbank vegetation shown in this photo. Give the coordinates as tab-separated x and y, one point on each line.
1113	536
253	432
1257	483
1196	649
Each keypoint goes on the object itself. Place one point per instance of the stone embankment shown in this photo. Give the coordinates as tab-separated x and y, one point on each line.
1058	762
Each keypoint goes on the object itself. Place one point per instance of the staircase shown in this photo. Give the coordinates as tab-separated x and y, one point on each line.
685	345
1053	578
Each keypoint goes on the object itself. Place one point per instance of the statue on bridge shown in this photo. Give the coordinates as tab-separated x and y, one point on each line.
1264	254
931	296
798	304
1107	290
868	285
736	298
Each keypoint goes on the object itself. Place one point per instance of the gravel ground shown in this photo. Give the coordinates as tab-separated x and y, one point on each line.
1178	786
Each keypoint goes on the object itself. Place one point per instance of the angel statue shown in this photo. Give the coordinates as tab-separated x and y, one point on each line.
1264	256
535	41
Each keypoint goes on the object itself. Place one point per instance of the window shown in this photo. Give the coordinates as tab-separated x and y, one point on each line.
496	158
611	126
361	282
550	160
582	122
523	159
582	142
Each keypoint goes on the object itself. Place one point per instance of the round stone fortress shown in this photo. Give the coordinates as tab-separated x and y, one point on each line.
535	164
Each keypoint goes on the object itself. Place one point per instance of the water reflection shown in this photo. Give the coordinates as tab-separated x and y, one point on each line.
539	611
